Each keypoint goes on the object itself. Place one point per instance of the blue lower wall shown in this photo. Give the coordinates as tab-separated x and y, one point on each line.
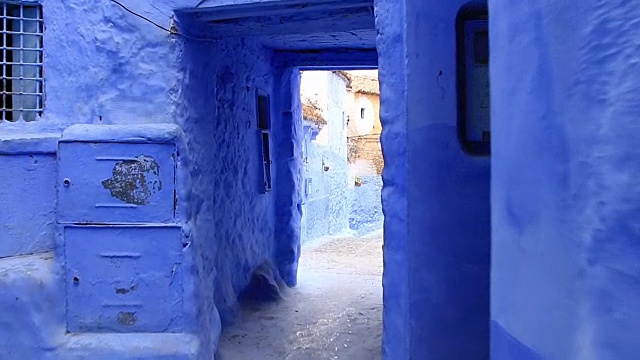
565	179
33	307
505	346
30	179
325	209
435	198
315	213
365	205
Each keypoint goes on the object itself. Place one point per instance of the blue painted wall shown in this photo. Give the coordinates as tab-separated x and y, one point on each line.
565	183
391	45
564	192
105	66
32	180
436	198
325	208
288	136
233	219
365	205
100	67
449	206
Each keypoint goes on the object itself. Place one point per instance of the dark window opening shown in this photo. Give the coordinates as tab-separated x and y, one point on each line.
362	110
263	105
266	151
264	112
21	28
474	115
481	47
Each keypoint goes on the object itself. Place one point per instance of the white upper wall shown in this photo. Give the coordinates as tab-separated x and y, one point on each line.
330	92
369	73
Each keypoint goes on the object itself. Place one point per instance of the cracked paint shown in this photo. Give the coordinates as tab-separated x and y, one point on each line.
127	318
134	181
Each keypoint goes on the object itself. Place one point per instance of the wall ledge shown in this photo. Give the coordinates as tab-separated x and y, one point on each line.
28	143
143	133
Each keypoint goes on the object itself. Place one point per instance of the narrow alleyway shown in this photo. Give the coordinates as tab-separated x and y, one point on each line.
335	312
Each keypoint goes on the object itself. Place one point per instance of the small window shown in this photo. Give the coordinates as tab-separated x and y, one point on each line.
362	111
263	106
481	48
21	29
264	112
473	88
266	152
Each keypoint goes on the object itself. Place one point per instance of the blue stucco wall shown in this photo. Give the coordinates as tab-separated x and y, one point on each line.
32	180
32	304
288	135
391	45
316	214
94	55
365	205
233	219
105	66
435	199
565	183
325	209
100	67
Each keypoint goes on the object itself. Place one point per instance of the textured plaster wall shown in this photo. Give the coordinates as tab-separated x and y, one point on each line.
325	210
565	183
288	137
354	100
234	221
365	205
94	59
105	66
391	45
31	179
435	199
449	204
32	305
100	66
95	55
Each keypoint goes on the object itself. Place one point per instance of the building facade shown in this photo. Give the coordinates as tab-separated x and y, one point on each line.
152	157
325	203
365	152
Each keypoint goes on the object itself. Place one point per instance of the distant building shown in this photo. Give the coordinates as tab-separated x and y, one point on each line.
363	125
325	207
364	152
341	155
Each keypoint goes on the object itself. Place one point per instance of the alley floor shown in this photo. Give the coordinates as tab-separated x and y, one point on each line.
335	312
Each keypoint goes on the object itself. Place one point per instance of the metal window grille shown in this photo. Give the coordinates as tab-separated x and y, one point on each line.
21	29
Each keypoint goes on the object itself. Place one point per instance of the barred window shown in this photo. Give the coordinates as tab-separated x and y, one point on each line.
21	29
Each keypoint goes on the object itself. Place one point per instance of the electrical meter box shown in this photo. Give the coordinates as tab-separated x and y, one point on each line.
123	279
116	182
123	243
474	120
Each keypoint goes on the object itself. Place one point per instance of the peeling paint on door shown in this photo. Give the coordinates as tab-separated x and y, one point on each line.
127	318
134	181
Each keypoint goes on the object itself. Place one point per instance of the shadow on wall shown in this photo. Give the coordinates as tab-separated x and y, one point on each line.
365	214
225	154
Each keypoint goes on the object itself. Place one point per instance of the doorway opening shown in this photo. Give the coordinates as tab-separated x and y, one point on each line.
335	309
257	55
341	153
341	222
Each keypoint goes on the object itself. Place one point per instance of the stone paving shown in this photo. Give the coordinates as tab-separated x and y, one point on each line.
335	312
